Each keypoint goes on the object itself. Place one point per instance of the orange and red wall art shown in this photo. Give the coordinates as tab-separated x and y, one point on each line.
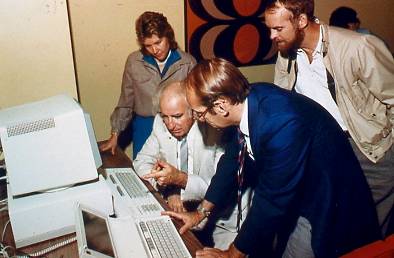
231	29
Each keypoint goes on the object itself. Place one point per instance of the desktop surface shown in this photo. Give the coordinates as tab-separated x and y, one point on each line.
120	159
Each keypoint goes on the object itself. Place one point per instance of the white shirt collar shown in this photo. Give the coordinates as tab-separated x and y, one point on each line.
244	128
244	124
162	63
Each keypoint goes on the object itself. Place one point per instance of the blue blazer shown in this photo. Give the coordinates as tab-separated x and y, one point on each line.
304	166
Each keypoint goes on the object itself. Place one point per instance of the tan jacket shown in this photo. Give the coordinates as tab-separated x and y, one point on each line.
363	71
140	83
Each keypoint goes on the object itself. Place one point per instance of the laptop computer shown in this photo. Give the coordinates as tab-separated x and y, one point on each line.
129	190
102	236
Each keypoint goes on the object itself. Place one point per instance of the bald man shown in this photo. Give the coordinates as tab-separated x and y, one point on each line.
160	159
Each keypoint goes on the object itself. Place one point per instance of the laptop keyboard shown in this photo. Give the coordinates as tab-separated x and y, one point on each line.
162	239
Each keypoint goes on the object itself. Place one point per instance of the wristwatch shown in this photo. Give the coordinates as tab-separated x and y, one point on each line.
204	211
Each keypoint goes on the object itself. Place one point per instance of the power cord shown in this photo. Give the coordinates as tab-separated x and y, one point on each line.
40	253
4	230
49	249
3	250
3	247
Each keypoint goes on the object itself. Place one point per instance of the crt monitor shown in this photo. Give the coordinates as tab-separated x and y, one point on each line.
48	144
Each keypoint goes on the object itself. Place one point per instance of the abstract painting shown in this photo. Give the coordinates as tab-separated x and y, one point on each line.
231	29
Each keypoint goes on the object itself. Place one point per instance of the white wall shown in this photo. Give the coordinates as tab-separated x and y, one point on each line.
35	51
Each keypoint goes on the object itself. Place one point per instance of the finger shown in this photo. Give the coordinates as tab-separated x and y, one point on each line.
102	147
183	229
162	163
209	252
105	146
204	254
172	214
161	182
156	167
143	178
154	175
154	171
179	208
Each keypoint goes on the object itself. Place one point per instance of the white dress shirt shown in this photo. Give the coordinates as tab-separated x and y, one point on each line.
244	127
312	81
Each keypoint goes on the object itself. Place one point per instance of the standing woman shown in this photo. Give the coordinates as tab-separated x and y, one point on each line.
159	61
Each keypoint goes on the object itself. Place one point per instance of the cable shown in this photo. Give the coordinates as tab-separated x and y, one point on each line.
4	253
4	230
51	248
3	250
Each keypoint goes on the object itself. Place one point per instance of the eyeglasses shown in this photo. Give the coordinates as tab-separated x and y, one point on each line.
199	115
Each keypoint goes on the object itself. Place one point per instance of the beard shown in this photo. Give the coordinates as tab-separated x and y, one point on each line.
290	48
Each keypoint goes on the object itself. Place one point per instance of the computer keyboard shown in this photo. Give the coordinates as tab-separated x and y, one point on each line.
163	239
134	192
132	184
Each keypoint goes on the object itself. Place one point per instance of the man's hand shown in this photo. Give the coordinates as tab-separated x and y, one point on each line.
175	203
232	252
190	219
110	144
166	174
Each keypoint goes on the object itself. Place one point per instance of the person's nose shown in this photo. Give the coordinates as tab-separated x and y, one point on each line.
171	124
273	34
155	49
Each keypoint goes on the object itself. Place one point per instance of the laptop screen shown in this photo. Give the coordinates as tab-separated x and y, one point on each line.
97	235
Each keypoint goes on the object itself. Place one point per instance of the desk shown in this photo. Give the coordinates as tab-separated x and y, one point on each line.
71	250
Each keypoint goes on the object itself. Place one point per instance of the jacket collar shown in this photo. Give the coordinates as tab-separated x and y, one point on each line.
174	57
325	39
325	42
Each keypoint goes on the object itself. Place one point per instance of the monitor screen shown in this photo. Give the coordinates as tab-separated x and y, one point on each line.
48	144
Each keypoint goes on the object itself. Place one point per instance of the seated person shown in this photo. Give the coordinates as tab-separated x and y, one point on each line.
182	177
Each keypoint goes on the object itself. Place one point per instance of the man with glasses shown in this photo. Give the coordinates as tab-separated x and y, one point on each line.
310	197
179	159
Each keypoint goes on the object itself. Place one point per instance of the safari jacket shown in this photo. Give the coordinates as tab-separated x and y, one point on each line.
363	72
141	81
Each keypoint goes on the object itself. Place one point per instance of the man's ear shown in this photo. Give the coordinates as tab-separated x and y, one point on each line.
302	21
221	106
